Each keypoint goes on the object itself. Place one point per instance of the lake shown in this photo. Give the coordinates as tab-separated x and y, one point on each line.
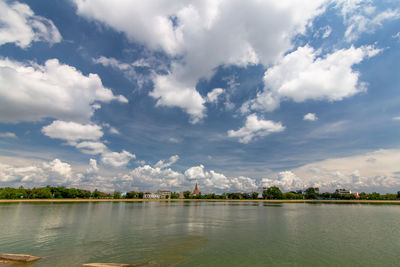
203	233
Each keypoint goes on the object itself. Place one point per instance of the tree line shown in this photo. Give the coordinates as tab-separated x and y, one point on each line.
48	192
273	192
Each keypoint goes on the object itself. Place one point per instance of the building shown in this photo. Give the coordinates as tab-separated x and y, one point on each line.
196	191
181	194
343	191
150	195
164	193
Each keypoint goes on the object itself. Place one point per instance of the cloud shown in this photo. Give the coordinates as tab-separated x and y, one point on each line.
31	92
212	180
310	117
161	164
212	96
196	173
92	167
175	140
363	17
117	159
285	180
114	131
130	69
19	25
149	178
86	137
171	92
331	129
371	171
208	179
92	148
59	167
72	131
8	135
111	129
255	127
304	74
55	172
396	118
200	36
327	32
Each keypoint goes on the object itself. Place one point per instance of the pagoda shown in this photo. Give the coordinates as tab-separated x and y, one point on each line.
196	191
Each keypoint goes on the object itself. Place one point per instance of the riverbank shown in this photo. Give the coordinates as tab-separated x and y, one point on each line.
202	200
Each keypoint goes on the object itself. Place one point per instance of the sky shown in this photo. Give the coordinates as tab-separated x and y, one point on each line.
232	95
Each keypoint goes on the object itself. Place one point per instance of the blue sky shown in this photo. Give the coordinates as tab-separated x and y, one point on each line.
232	95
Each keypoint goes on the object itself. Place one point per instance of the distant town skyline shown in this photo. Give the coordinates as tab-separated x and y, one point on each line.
232	95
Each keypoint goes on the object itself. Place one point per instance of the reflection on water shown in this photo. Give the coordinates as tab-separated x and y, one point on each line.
202	233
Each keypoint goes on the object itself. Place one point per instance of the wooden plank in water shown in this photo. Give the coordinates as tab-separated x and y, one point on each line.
19	257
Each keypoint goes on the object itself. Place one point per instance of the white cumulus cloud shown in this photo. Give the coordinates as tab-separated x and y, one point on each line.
93	168
372	171
72	131
199	36
54	172
20	25
212	96
86	137
303	74
92	148
162	164
255	127
310	117
117	159
31	92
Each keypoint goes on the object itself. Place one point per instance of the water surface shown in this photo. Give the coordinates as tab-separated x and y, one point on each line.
203	233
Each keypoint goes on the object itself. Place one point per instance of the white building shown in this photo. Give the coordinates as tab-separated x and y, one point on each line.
343	191
164	193
150	195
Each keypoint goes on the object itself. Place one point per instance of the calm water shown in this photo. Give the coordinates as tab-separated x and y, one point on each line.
203	233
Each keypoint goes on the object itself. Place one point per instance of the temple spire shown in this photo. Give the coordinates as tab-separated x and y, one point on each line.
196	191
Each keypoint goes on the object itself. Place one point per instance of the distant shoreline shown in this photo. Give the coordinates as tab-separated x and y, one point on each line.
201	200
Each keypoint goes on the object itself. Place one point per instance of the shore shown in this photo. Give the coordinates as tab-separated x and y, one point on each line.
201	200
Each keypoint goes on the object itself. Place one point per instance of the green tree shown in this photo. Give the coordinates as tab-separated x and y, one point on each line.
131	194
96	194
273	192
326	195
140	195
254	195
374	196
363	196
174	195
312	193
245	196
292	195
117	195
43	192
186	194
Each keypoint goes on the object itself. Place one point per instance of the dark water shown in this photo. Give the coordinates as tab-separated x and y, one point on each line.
203	233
